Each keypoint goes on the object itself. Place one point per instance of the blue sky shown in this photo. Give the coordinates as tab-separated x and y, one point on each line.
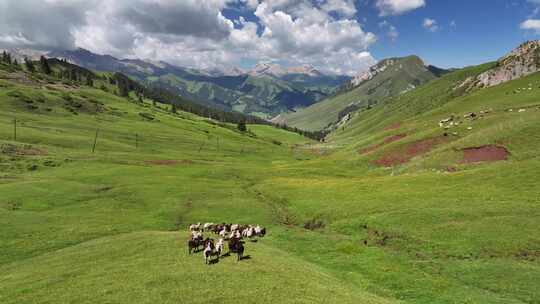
335	36
468	32
484	30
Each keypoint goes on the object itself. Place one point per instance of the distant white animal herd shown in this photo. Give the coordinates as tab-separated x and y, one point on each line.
233	233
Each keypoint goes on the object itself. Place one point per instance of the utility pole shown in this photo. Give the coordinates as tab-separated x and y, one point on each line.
95	141
202	146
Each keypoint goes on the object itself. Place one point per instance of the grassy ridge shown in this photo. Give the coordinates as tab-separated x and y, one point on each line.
403	75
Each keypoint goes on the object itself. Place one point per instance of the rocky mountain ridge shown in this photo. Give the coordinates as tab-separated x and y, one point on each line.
522	61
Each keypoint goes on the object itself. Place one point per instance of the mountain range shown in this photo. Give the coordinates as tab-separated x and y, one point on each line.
265	91
302	96
389	77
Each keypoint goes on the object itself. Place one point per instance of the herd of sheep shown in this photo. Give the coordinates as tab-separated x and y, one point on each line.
233	233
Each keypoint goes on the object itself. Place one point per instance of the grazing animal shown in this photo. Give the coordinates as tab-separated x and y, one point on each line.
236	246
207	252
219	246
210	251
208	226
194	244
235	235
223	233
242	227
217	228
249	232
195	227
196	235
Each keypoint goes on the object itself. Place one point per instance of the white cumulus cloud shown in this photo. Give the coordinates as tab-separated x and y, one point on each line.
196	33
345	7
398	7
531	24
430	25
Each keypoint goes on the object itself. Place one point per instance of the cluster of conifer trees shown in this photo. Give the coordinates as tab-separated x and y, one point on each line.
6	58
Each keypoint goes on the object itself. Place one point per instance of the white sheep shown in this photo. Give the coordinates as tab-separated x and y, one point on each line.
219	246
207	225
195	227
223	232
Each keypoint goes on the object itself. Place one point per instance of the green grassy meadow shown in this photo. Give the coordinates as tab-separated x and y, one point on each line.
111	226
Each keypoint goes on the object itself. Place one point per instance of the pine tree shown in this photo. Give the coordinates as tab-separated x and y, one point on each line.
73	75
45	68
122	89
15	63
242	126
89	81
173	108
29	65
6	57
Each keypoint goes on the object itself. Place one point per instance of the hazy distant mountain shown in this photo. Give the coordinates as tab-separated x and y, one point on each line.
21	53
230	71
266	90
267	69
276	70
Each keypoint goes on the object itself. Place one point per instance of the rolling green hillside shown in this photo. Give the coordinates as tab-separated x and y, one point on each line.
391	77
387	210
260	96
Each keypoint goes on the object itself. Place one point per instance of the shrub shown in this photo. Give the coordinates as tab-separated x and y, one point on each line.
314	224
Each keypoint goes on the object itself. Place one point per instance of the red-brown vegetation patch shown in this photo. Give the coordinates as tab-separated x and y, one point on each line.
394	138
404	155
393	126
489	153
169	162
386	141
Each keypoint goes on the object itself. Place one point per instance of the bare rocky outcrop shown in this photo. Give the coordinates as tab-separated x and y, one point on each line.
521	62
372	72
